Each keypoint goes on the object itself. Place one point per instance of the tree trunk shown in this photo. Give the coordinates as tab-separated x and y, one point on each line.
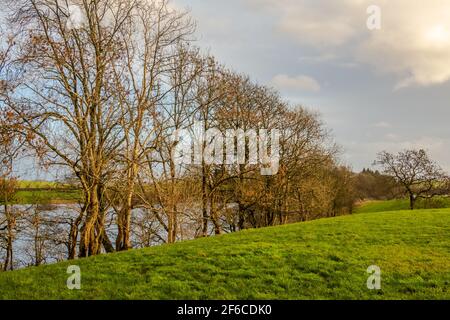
106	242
89	245
9	240
172	227
204	203
73	235
123	242
412	201
213	215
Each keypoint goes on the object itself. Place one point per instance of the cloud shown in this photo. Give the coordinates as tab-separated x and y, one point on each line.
366	153
318	24
326	57
298	83
413	43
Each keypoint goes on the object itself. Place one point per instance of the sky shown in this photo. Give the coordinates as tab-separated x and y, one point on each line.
383	89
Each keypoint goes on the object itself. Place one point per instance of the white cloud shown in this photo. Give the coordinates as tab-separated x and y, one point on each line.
392	137
413	43
435	146
298	83
318	24
326	57
366	153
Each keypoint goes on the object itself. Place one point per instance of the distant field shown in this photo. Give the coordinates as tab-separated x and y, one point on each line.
45	192
401	204
50	196
26	184
322	259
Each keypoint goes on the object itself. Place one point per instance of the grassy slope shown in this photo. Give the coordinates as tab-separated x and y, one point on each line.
401	204
324	259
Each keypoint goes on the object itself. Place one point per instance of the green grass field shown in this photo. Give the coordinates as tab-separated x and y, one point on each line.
50	196
323	259
44	192
401	204
30	184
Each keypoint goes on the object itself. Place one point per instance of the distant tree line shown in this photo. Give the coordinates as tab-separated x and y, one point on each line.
372	184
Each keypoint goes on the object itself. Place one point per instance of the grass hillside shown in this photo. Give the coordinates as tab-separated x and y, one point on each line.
323	259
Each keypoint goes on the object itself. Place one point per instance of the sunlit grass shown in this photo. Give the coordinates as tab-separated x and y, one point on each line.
44	192
50	196
401	204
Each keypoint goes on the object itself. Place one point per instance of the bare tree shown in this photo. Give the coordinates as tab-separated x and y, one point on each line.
11	146
91	92
68	103
163	185
416	172
152	70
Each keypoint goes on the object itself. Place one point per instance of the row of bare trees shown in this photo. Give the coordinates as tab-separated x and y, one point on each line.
100	87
